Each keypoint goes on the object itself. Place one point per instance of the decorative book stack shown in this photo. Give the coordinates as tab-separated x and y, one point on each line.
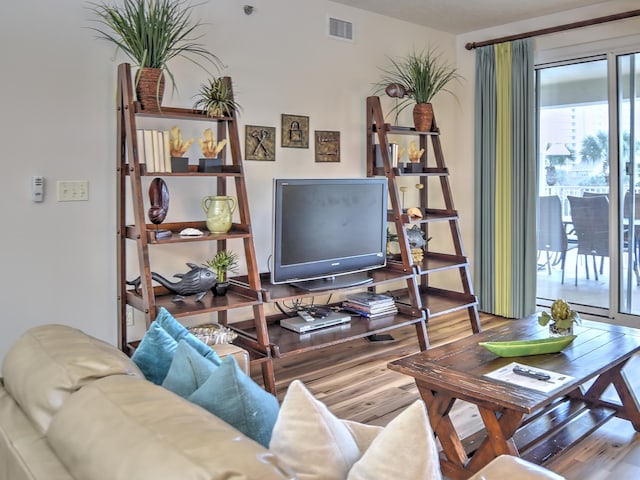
153	150
393	154
370	304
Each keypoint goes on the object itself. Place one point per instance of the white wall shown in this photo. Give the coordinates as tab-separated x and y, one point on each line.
57	119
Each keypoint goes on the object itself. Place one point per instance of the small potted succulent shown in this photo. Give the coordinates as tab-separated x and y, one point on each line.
215	98
224	261
561	319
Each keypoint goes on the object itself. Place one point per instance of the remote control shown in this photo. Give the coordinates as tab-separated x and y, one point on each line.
525	372
319	312
306	316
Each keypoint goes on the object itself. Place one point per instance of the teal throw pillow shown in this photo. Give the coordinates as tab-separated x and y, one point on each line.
188	371
155	353
230	394
180	332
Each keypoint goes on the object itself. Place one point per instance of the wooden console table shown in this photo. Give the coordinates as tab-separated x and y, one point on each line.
521	421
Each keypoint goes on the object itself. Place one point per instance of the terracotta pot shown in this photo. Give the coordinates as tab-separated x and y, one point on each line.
423	117
150	88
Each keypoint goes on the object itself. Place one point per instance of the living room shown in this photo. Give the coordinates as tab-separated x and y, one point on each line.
59	258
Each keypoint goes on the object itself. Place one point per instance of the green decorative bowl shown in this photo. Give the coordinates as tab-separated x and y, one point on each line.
521	348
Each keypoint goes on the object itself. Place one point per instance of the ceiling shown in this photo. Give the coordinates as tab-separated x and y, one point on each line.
461	16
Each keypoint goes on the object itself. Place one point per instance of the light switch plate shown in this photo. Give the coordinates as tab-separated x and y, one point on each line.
73	190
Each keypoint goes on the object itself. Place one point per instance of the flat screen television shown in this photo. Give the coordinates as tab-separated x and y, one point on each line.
328	232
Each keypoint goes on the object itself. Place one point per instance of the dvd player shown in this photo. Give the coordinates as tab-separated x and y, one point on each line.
301	325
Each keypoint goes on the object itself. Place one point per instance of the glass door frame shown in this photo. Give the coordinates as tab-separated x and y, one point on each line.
617	287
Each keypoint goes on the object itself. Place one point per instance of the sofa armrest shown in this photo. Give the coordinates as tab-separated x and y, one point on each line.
508	466
240	354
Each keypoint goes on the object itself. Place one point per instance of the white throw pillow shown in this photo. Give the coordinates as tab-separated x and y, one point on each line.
310	439
405	449
319	446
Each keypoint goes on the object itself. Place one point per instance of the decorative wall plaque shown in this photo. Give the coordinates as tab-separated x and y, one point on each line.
295	131
327	146
260	143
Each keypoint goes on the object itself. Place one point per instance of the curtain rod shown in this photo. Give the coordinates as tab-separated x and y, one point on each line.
559	28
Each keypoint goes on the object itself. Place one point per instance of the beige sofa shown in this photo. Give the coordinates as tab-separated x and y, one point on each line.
75	408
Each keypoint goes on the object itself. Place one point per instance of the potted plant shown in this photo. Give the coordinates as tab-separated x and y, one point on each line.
419	77
562	318
216	98
224	261
151	33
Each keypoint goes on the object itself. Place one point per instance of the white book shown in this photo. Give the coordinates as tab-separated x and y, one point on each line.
148	151
158	155
140	145
393	155
166	148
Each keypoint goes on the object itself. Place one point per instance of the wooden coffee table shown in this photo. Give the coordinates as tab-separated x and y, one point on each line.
521	421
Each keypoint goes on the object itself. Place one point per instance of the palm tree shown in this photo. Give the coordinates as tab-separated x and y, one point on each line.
595	148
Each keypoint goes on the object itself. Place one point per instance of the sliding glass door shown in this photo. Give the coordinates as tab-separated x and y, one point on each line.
589	185
573	161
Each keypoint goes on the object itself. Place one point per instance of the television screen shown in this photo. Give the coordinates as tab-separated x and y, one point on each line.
328	230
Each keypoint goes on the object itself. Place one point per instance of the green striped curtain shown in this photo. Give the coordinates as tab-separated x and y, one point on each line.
505	165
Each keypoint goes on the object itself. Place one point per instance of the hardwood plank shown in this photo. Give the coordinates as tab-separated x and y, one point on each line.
544	423
570	435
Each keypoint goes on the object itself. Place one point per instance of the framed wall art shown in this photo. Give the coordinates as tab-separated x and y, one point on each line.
295	131
260	143
327	146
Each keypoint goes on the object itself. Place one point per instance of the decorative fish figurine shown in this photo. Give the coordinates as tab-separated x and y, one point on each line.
198	281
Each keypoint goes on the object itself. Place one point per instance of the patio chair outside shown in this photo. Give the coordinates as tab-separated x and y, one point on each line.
552	236
590	217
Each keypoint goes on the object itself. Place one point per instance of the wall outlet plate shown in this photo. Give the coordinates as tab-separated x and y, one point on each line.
73	190
130	320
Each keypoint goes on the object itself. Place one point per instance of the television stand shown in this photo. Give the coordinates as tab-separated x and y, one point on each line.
333	282
286	343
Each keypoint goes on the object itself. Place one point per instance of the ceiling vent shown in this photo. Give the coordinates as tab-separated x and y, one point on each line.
340	29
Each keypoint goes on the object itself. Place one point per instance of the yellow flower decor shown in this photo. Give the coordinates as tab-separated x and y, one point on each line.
413	153
211	148
401	151
177	146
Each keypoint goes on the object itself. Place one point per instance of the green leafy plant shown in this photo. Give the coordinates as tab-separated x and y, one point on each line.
216	98
224	261
152	32
561	314
421	75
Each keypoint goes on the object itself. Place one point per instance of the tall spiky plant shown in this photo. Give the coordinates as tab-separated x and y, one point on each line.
422	74
224	261
152	32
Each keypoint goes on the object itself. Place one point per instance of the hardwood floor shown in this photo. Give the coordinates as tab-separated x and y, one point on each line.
353	381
